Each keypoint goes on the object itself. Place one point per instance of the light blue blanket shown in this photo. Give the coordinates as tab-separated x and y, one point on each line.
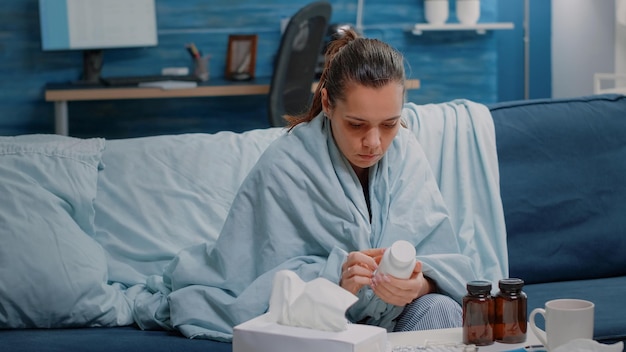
302	208
459	140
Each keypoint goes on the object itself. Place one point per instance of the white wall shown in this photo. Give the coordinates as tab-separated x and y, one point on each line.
620	38
583	43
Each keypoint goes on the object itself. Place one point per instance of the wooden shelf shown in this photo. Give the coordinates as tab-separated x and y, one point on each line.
480	28
211	88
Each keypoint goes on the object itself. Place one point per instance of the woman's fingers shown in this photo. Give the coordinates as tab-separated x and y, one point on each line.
354	277
362	258
418	267
396	291
358	269
374	252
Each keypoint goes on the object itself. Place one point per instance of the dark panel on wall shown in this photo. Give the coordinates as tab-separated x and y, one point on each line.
510	48
540	49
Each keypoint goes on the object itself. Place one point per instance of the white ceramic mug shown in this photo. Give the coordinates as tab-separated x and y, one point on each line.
566	320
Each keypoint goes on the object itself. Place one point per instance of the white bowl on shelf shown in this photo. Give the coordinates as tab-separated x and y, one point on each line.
436	11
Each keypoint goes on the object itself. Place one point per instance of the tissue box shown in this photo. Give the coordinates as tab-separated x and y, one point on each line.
262	335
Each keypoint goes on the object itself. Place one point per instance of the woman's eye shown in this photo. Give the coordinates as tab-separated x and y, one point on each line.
390	125
355	125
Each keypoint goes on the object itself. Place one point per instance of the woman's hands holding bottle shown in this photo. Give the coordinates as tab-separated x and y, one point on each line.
401	292
359	270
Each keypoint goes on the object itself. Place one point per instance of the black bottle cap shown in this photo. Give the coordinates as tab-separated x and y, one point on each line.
478	287
511	284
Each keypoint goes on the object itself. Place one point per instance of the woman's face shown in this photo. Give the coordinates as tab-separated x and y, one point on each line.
365	124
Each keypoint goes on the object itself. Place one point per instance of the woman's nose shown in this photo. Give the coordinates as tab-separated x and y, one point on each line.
372	138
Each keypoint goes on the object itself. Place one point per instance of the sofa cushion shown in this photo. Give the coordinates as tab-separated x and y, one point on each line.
127	338
562	167
160	194
52	273
607	295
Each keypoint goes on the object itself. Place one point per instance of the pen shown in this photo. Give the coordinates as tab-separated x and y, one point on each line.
191	47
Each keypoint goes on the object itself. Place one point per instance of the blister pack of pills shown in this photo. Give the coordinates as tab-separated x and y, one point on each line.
435	347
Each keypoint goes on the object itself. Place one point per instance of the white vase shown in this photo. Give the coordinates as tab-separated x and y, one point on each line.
436	11
468	11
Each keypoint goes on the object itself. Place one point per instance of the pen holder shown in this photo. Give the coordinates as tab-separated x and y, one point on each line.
201	67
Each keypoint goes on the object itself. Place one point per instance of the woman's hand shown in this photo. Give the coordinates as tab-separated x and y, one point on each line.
358	269
401	292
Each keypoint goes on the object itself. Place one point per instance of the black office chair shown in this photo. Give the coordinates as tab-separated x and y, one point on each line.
294	68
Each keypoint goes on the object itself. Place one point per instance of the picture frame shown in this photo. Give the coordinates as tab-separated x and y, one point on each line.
241	57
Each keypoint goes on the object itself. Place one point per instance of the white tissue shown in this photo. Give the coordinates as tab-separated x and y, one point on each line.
587	345
318	304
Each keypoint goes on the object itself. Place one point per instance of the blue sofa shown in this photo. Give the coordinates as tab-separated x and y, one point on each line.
562	169
562	164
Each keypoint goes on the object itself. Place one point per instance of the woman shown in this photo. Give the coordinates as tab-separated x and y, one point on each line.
324	200
362	94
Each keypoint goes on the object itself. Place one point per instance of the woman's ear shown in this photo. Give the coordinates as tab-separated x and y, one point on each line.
325	105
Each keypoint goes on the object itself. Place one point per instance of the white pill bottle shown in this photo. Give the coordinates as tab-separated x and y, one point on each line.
398	260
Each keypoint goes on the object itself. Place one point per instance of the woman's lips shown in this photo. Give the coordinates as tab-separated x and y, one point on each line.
368	157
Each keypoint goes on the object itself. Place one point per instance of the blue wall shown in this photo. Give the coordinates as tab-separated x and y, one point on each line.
450	65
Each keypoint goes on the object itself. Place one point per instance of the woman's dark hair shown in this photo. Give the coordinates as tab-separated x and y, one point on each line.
353	60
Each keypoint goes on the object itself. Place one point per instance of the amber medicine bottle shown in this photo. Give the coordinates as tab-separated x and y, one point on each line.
478	314
511	312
